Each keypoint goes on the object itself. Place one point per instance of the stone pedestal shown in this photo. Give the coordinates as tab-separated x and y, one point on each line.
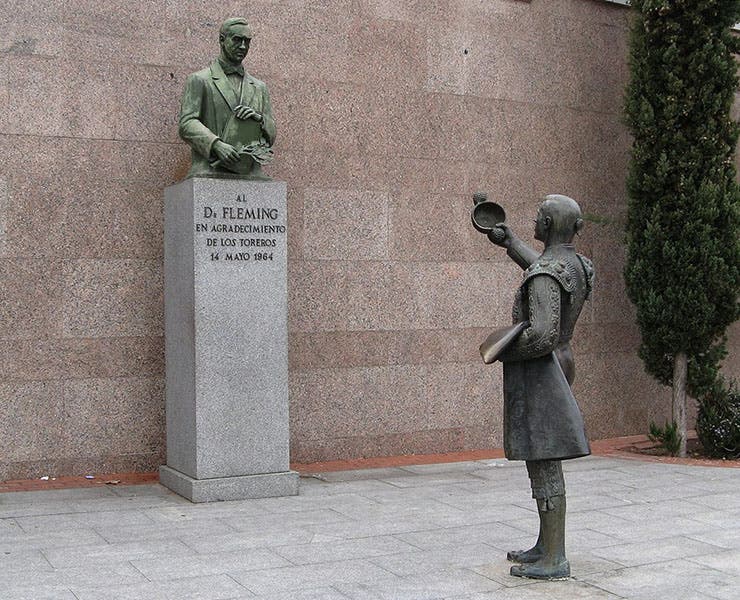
226	340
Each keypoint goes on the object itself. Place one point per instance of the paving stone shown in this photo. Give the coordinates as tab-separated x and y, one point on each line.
42	540
104	519
316	487
154	531
728	538
430	586
717	501
216	587
453	467
211	510
651	550
570	589
634	531
428	561
239	541
361	529
180	567
719	518
40	592
280	522
23	561
104	553
115	574
303	554
344	503
54	496
362	474
321	593
454	537
150	490
727	562
295	578
676	579
432	479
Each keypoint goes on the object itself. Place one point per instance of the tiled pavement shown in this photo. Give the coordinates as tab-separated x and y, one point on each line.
635	530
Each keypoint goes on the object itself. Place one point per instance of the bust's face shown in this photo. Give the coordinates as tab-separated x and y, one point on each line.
235	44
540	226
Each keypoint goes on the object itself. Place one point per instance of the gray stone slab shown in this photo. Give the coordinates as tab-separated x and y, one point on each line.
430	479
92	556
196	512
113	574
571	589
202	550
315	487
241	541
164	531
180	567
49	539
718	501
675	579
655	550
215	587
451	467
346	503
728	517
22	561
304	554
413	563
492	534
430	586
362	474
319	593
226	339
350	529
728	538
53	497
39	592
727	562
273	581
217	489
286	522
104	519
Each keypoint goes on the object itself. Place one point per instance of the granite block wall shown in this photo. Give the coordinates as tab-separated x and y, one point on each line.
390	115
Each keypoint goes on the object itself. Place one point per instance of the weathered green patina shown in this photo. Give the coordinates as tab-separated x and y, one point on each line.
225	113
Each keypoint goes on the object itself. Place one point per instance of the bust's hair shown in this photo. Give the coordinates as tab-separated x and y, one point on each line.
564	212
228	23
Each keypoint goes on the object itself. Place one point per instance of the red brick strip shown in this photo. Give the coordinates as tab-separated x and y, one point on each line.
61	483
622	447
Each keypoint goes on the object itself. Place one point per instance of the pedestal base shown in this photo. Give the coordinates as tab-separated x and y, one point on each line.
243	487
226	340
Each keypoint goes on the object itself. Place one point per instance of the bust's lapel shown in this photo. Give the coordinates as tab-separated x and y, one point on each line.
223	85
248	92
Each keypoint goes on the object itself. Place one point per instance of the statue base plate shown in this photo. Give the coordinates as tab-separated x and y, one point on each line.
243	487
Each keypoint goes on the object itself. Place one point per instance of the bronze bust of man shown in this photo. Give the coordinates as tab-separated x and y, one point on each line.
225	113
542	422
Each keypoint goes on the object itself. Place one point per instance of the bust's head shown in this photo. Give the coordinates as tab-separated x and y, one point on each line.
234	37
558	220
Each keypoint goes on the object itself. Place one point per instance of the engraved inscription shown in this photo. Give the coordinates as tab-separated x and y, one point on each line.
240	234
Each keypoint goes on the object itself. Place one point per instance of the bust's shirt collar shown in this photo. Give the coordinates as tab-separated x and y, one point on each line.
230	69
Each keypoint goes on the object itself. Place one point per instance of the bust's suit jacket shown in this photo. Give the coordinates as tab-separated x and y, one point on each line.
207	104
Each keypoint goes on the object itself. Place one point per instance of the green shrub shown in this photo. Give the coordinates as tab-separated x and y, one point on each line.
718	421
667	436
683	265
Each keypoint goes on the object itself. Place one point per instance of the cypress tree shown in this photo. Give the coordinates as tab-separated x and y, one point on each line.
683	265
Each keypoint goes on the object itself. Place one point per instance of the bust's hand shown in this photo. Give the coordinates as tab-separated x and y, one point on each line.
501	235
226	153
247	112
